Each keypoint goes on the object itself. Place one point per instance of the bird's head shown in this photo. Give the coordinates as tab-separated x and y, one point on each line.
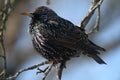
41	13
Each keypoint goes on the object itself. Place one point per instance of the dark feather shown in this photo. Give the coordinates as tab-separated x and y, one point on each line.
97	58
96	47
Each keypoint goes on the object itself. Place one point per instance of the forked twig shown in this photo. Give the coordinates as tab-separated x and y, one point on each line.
47	71
87	18
4	13
26	69
96	26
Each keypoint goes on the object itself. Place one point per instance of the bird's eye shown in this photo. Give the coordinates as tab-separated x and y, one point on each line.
31	14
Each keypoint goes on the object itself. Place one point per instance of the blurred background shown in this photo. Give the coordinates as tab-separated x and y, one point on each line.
21	54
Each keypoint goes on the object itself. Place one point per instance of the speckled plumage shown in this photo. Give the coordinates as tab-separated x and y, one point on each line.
58	39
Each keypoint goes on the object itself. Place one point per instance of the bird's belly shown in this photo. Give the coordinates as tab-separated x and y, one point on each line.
51	51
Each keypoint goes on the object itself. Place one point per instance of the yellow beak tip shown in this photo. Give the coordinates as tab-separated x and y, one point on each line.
25	14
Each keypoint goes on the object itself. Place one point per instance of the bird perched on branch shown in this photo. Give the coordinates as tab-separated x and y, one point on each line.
57	39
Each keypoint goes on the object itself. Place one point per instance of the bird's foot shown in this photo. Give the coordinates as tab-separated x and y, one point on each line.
45	71
41	71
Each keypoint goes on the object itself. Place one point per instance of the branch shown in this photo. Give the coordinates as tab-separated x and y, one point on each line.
26	69
96	27
87	18
47	71
4	13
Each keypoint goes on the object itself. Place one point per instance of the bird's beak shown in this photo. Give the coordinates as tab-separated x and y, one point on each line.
27	14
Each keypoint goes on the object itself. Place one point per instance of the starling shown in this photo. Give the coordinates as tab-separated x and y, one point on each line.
58	39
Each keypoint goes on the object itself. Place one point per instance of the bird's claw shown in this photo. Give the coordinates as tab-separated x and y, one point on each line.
41	71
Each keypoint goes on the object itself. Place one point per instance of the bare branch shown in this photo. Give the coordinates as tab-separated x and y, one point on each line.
26	69
4	13
87	18
96	27
98	20
47	71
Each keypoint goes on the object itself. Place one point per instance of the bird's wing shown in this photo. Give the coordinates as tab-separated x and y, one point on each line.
66	34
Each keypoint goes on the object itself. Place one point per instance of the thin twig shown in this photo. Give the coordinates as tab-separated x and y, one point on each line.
98	20
42	71
96	27
47	71
4	13
26	69
87	18
4	57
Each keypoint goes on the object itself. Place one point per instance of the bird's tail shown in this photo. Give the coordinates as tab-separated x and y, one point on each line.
92	51
96	58
94	46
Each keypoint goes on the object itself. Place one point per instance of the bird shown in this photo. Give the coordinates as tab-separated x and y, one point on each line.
58	39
